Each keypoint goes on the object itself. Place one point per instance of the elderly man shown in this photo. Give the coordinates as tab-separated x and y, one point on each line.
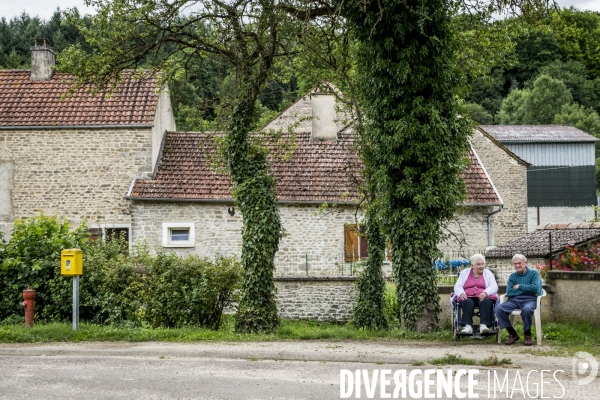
522	289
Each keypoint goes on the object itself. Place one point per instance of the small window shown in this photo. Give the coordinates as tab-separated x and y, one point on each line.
178	234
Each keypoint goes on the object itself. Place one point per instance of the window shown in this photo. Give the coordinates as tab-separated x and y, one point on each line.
178	234
355	244
112	231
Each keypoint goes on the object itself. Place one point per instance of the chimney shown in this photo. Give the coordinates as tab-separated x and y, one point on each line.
42	61
322	101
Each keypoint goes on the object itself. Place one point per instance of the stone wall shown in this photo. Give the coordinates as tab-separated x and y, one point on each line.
332	299
298	117
74	173
317	299
510	179
313	243
576	296
558	215
468	231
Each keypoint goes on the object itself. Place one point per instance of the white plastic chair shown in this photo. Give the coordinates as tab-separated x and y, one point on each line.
537	318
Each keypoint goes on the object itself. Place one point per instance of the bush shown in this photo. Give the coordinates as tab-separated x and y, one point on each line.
32	258
162	290
391	308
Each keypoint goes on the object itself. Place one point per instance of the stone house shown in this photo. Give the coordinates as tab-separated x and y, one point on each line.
75	157
561	177
186	205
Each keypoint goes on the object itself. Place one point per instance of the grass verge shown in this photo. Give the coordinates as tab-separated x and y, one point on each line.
563	338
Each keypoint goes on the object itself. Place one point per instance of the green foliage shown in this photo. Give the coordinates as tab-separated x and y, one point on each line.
413	141
479	114
536	106
369	308
580	34
32	258
18	34
580	117
162	290
390	306
574	75
156	38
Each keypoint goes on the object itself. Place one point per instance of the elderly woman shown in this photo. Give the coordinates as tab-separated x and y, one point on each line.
476	287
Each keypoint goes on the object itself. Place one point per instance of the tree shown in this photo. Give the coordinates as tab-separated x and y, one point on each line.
545	101
479	114
413	140
580	34
575	77
536	106
247	35
580	117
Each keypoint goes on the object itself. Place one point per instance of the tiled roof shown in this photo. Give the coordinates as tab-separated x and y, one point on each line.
318	171
537	243
38	103
537	133
479	187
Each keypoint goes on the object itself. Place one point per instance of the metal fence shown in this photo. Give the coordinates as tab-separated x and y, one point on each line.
330	264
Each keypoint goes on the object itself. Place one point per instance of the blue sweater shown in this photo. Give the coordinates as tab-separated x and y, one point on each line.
529	283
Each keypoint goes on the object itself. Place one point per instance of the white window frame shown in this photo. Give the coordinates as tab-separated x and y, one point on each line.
169	226
104	227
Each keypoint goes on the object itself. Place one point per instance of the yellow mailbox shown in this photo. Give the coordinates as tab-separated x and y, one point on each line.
71	262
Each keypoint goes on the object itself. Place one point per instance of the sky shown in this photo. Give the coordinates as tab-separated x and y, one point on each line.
45	8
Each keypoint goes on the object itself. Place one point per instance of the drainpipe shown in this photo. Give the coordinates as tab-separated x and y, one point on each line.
489	225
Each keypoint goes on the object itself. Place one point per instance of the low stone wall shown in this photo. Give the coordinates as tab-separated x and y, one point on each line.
576	296
316	298
332	299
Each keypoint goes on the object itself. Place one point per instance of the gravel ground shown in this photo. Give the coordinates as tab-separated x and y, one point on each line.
264	370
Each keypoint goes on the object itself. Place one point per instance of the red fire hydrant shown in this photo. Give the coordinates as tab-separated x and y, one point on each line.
29	304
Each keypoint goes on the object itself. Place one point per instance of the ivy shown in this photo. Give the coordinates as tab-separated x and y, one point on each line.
369	309
412	137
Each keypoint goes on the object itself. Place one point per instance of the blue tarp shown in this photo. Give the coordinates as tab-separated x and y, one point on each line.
450	264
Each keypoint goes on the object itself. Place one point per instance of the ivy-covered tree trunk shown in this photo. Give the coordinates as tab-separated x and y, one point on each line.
408	83
368	312
255	196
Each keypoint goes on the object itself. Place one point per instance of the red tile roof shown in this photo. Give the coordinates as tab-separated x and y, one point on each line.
38	103
318	171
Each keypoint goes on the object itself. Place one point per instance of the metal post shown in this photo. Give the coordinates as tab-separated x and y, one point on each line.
550	242
75	303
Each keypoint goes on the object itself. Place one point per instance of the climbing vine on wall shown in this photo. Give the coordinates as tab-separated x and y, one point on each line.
416	141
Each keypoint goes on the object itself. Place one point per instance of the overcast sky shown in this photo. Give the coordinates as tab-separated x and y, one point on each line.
45	8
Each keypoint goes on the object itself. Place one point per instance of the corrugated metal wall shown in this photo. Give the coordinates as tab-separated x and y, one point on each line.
544	154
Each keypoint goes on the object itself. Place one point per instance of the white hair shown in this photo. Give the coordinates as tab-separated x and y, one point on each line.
521	256
476	257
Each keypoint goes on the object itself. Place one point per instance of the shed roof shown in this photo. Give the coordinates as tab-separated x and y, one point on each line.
26	103
537	243
537	133
318	171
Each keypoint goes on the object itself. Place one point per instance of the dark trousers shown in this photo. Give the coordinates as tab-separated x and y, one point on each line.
527	305
468	307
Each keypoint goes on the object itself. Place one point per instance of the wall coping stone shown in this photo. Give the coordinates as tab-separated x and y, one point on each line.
574	275
315	278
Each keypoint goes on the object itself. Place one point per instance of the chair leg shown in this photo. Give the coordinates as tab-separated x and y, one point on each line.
538	326
499	334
